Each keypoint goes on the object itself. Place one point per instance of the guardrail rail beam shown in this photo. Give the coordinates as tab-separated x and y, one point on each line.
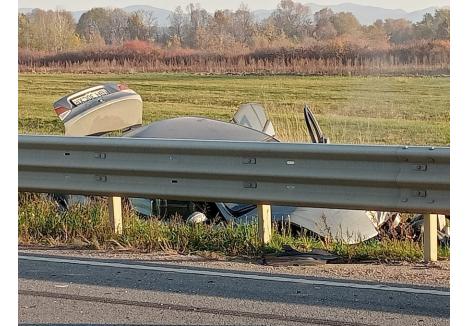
407	179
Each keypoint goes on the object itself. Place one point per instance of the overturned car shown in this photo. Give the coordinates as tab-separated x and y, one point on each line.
102	109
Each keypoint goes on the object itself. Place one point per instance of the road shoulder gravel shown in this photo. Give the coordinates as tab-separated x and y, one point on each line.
432	274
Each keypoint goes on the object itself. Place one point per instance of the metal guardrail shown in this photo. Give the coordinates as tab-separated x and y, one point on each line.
391	178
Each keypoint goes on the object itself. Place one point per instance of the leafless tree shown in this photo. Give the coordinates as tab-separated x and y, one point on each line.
293	18
178	20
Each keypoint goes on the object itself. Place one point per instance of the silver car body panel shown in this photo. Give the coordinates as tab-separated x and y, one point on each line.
349	226
253	115
110	115
105	108
198	128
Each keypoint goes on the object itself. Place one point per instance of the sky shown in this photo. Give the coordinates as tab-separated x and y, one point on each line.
211	5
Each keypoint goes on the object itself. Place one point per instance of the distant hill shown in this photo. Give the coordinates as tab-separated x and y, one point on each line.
418	15
368	14
162	15
365	14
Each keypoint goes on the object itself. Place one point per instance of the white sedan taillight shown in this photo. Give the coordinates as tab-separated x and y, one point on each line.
62	112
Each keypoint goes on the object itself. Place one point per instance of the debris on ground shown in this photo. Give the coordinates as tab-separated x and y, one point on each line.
292	257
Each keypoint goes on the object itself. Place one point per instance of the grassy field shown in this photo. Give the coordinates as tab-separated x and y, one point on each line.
365	110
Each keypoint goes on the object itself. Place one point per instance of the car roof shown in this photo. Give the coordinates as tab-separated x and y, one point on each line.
199	128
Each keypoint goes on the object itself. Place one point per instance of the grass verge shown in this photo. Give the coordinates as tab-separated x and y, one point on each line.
41	222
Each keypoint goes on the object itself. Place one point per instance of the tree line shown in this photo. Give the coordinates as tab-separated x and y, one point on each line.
292	24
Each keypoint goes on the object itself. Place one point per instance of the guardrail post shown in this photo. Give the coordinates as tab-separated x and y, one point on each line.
430	237
115	214
264	223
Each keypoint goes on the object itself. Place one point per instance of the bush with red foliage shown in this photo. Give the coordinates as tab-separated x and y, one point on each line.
138	46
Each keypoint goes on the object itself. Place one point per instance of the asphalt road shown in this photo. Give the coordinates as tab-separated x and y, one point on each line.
64	290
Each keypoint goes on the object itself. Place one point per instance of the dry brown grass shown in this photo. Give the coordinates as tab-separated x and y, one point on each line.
332	58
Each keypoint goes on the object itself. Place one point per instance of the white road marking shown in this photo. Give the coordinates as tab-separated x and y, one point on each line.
237	275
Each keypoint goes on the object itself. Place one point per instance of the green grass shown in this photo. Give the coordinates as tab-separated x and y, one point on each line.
365	110
40	221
